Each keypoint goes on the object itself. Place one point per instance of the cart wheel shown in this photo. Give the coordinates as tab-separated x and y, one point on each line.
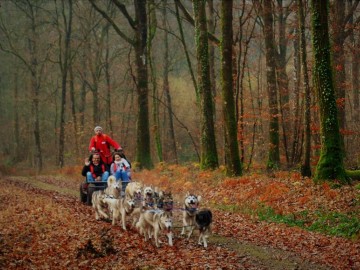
90	191
83	196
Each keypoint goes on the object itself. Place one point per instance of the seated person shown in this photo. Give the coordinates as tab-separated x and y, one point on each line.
95	170
120	168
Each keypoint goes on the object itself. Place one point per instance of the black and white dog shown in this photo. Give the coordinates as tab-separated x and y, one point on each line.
203	220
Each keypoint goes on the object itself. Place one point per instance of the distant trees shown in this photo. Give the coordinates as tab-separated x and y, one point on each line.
101	62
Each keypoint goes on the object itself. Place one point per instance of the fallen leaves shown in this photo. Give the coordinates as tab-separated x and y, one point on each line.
48	229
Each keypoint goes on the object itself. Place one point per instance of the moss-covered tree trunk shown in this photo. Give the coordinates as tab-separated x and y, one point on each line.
330	165
209	158
233	164
274	154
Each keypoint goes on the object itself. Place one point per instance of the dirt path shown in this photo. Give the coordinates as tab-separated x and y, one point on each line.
44	226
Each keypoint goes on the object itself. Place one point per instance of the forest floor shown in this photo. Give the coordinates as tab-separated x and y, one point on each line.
45	226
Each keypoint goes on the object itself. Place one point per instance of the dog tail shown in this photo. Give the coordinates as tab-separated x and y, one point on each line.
111	180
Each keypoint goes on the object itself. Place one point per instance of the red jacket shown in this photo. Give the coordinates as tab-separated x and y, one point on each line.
102	144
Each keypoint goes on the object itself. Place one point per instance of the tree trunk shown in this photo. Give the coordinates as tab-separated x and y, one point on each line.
170	132
330	165
274	155
282	79
73	111
355	70
35	89
108	115
211	27
155	93
143	155
306	166
65	62
294	154
339	59
17	154
209	158
233	164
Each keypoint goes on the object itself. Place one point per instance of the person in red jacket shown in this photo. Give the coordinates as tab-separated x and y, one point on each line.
101	143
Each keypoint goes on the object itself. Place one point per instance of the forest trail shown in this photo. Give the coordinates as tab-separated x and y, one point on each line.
45	226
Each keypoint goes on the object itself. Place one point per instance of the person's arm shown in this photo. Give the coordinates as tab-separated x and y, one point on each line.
125	162
113	143
86	167
112	169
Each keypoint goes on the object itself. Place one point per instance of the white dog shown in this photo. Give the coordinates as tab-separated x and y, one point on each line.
152	222
134	190
113	187
120	207
191	204
149	201
99	205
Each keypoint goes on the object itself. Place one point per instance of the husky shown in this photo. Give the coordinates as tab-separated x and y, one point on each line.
152	222
203	220
127	206
191	204
165	201
99	205
120	207
133	190
148	194
113	187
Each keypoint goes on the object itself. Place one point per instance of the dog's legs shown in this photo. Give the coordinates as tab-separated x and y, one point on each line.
102	213
115	216
96	214
169	235
123	214
185	224
202	239
205	241
191	231
200	242
156	236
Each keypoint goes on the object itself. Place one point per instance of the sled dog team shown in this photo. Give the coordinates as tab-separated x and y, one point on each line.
150	211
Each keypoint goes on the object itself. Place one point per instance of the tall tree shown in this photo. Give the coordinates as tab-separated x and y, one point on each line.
65	63
306	166
330	165
282	79
270	55
153	78
139	26
169	129
209	158
341	30
233	164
